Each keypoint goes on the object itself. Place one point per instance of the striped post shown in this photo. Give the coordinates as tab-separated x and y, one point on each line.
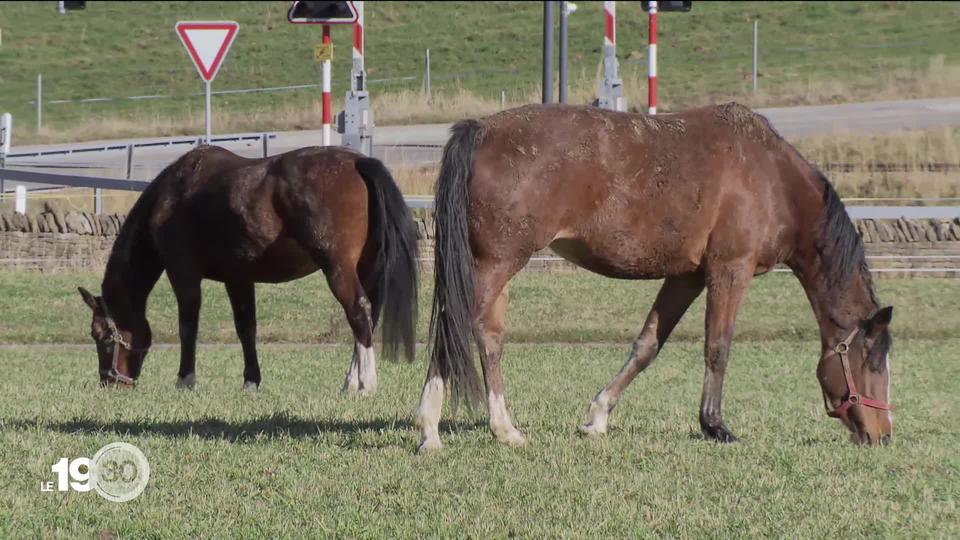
652	68
610	95
327	113
610	25
359	83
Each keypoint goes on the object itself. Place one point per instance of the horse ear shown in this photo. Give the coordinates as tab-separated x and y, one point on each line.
88	298
880	321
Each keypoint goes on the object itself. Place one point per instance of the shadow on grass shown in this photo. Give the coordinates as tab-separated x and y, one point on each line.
275	426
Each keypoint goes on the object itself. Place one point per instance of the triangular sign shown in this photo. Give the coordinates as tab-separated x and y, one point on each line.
207	43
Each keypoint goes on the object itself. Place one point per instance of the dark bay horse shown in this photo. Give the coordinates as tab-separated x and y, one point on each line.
215	215
707	198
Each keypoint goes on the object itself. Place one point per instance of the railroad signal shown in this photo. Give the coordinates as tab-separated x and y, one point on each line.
669	5
310	12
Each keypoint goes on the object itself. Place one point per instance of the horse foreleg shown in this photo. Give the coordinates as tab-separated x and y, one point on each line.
726	286
243	300
188	296
672	302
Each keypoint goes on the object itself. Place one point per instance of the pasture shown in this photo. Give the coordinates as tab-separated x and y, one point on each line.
809	53
296	459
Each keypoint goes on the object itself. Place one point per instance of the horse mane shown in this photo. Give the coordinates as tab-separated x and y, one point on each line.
839	244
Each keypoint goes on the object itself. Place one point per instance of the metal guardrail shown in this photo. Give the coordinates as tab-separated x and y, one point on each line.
149	143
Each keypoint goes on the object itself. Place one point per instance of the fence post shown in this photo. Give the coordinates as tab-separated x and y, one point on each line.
39	101
265	137
21	203
6	135
503	99
755	40
426	74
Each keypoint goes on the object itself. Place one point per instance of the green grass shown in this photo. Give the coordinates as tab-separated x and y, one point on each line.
42	308
834	52
295	459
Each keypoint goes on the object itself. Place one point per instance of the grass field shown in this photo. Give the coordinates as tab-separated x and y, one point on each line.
809	53
295	459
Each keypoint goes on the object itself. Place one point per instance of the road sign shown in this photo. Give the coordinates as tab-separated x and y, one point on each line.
207	44
669	5
310	12
323	52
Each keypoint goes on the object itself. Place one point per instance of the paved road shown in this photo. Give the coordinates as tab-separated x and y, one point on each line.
412	145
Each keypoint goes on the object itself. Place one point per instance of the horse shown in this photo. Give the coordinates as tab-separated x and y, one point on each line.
212	214
706	198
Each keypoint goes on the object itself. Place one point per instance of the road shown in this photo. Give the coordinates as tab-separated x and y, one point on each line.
401	146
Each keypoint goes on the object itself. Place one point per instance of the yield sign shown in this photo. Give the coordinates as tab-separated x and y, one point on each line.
207	43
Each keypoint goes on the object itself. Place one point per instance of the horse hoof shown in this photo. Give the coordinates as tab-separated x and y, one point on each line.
250	385
719	434
429	445
513	439
591	430
187	383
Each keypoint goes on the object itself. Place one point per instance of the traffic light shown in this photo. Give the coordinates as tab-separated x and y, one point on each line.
669	5
310	12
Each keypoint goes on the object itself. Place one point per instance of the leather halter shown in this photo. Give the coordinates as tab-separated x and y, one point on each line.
853	397
117	340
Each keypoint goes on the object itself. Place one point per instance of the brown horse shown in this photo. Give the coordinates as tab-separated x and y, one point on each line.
707	198
215	215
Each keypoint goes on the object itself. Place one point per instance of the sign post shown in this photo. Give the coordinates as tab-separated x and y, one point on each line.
327	13
355	121
207	43
652	8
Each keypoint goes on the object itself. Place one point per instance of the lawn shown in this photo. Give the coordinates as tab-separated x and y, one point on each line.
296	459
809	52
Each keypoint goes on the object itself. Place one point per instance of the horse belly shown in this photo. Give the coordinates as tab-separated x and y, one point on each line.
627	259
283	260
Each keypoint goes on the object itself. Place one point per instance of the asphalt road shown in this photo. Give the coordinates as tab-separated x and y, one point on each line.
402	146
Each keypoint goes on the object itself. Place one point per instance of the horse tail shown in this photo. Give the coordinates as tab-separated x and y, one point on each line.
452	318
391	283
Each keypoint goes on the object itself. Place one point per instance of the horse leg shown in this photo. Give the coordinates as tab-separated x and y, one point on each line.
187	291
362	376
243	300
673	300
492	328
492	305
726	286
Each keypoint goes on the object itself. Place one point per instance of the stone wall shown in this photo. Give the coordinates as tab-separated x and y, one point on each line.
56	241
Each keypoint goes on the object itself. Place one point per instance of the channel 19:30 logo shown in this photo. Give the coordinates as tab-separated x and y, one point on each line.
118	472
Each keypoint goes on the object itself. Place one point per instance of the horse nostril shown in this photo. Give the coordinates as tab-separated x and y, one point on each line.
886	439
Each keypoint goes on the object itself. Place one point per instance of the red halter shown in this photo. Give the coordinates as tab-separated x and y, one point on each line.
853	397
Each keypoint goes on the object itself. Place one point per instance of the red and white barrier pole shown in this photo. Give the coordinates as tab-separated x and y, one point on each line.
358	83
652	68
610	24
327	113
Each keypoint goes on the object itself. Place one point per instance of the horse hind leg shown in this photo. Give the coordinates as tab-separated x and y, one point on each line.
361	377
672	302
491	333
